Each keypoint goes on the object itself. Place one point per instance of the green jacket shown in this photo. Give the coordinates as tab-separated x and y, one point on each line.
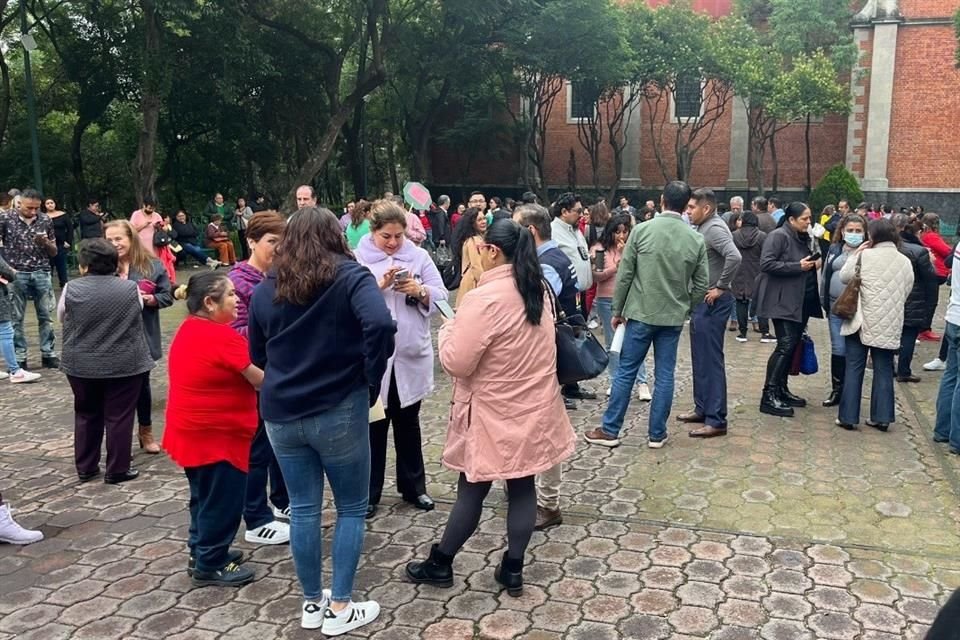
663	273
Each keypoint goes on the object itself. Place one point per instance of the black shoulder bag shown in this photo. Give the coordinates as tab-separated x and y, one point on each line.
580	356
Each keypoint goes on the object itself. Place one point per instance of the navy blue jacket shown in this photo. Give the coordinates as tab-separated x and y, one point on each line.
313	356
568	277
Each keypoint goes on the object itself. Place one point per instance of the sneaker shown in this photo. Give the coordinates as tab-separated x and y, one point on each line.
657	444
312	613
609	391
593	324
597	436
354	616
24	376
767	338
13	533
233	556
742	337
929	336
282	513
935	365
232	575
271	533
4	375
643	392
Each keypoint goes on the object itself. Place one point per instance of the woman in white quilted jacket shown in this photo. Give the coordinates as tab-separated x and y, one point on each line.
886	279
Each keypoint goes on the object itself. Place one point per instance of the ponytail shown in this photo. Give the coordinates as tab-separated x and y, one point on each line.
520	249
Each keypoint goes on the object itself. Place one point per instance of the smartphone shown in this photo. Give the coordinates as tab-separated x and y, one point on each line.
598	259
403	274
816	256
444	308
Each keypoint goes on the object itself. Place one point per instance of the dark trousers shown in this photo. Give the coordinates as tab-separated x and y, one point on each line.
59	263
763	324
244	249
881	394
708	326
215	509
943	348
778	366
103	406
908	344
263	465
411	478
145	403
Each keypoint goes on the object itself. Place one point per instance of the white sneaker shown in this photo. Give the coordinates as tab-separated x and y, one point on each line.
593	324
741	338
281	513
271	533
354	616
643	392
13	533
24	376
935	365
311	616
609	391
657	444
4	375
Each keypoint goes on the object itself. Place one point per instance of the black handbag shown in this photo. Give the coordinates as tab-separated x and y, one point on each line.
580	356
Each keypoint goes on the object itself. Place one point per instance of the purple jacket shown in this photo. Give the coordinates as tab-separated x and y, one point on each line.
412	360
244	278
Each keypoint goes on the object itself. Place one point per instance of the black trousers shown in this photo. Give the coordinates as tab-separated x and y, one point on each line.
244	249
411	478
215	507
145	403
103	406
908	344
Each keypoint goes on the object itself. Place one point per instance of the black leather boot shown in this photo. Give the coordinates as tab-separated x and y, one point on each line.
437	570
509	574
771	404
838	369
790	399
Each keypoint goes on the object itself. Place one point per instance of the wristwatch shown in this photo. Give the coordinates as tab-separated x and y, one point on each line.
423	293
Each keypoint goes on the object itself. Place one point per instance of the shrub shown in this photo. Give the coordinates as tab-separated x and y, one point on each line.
838	184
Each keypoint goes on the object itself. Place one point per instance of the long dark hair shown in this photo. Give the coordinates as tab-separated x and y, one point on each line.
463	232
306	258
608	238
520	250
209	283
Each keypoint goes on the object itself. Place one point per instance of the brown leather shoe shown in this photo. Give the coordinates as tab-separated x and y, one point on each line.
547	518
147	443
690	417
707	431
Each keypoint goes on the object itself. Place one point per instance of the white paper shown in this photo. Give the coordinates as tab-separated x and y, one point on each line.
617	343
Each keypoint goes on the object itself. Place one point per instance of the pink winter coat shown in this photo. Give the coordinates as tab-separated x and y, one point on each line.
507	418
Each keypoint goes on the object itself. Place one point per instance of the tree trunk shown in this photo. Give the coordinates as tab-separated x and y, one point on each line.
5	97
392	164
144	165
806	142
776	163
76	158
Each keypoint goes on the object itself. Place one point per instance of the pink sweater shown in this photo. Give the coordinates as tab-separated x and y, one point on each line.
606	280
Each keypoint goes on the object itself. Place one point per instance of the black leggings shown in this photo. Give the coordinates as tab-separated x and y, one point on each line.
145	403
465	515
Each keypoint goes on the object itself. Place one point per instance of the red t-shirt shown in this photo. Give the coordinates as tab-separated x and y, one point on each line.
211	408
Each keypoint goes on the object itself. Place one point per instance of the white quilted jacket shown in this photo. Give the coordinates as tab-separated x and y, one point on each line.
887	278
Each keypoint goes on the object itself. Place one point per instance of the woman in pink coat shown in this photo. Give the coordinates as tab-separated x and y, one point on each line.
507	421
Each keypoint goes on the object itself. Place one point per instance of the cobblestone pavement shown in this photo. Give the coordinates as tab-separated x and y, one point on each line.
785	529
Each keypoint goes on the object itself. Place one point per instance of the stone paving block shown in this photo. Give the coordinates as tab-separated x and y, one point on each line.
32	618
785	630
23	599
555	616
834	626
87	611
880	618
693	620
112	628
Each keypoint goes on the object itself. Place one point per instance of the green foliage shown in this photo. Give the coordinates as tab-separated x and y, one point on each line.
810	87
838	184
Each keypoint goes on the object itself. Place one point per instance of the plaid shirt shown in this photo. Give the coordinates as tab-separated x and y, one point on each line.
19	247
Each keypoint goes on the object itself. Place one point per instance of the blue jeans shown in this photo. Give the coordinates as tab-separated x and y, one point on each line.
37	285
604	308
881	393
636	343
837	342
215	507
947	426
708	326
6	347
335	442
194	252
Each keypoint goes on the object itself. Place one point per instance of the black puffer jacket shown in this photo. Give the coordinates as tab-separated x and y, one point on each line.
922	301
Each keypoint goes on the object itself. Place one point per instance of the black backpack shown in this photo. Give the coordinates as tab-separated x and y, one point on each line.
452	274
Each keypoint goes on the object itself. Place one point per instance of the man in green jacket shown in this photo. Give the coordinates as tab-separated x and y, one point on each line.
662	276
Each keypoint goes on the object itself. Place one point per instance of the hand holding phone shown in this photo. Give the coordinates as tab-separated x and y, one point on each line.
400	276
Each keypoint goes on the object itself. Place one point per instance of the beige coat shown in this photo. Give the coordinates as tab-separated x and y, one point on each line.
507	418
471	266
887	277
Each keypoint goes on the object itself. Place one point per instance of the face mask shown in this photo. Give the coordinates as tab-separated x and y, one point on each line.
853	239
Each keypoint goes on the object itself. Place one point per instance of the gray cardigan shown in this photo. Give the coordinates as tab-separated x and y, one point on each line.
103	334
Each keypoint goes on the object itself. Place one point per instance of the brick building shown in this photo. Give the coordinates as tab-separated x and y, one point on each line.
894	140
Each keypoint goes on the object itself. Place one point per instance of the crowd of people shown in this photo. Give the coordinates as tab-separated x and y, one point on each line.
291	368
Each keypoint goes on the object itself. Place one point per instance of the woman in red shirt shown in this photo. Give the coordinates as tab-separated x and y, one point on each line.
939	250
211	421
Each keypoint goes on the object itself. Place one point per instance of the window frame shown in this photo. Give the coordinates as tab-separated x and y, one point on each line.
673	104
571	119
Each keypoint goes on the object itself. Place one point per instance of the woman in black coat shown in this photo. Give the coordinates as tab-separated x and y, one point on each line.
922	298
749	241
787	294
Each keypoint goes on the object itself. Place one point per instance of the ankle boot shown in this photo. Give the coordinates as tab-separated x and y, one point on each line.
437	570
773	405
509	574
789	399
838	369
147	443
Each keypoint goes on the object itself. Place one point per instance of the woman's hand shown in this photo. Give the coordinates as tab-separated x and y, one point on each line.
620	245
410	287
388	278
807	264
149	300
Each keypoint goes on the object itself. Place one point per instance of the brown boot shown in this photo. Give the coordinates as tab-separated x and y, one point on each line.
147	443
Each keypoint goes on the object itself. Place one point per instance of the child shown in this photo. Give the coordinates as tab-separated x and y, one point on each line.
14	371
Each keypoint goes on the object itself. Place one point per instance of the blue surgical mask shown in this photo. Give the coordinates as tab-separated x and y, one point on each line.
853	239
